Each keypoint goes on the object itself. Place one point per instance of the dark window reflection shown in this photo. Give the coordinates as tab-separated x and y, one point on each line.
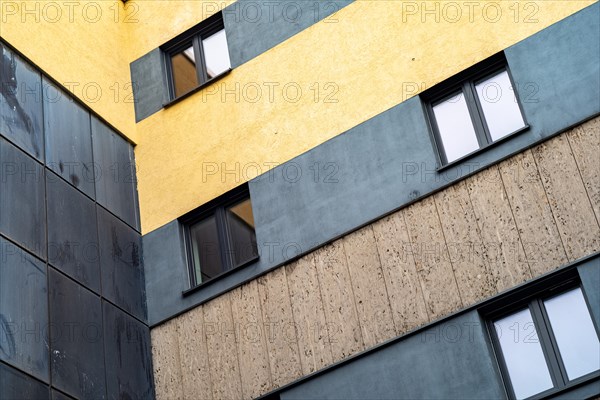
184	71
20	103
206	249
223	240
241	232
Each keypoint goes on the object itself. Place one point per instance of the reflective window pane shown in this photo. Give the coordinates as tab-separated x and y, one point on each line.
455	127
206	249
523	354
184	71
216	54
241	229
574	332
500	107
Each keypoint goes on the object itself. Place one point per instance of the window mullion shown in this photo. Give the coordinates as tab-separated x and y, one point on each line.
224	238
200	60
548	343
483	136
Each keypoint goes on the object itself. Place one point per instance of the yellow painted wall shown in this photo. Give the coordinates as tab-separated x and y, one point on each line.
89	45
373	49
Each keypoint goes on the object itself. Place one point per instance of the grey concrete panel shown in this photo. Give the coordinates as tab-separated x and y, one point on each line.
22	199
557	72
76	338
17	386
254	27
149	85
121	264
128	356
68	139
448	361
115	173
23	311
21	104
72	233
589	272
164	262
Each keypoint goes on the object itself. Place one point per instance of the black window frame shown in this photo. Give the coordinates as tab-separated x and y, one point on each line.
193	37
216	207
465	82
532	298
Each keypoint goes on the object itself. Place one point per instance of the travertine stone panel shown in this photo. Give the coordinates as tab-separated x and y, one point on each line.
585	144
465	245
537	227
432	258
166	362
280	330
400	273
193	353
222	349
568	198
338	301
503	248
309	315
251	342
370	292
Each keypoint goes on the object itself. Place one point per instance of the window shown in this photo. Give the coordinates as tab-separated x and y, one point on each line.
197	57
220	236
473	110
547	344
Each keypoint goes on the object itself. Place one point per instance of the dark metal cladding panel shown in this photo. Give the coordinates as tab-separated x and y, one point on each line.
23	311
121	264
128	356
17	386
22	200
115	173
56	395
76	339
21	104
68	139
72	233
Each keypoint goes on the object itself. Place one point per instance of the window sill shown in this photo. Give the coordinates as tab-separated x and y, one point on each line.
482	149
190	291
196	89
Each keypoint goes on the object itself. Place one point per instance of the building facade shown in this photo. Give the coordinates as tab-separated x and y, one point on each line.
299	200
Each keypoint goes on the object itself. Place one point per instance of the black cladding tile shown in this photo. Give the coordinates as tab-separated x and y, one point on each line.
23	311
121	264
22	200
56	395
128	355
68	139
76	338
21	103
72	233
115	173
17	386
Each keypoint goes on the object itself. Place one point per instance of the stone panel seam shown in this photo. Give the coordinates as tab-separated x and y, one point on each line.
512	213
581	178
437	213
417	276
387	293
353	295
537	167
